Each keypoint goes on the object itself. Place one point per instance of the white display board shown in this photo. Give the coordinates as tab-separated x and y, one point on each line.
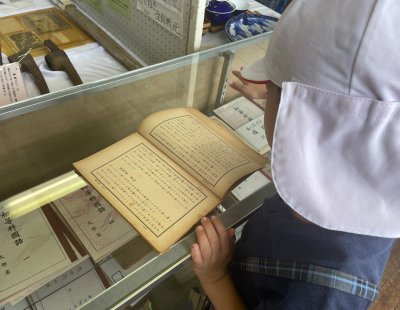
153	30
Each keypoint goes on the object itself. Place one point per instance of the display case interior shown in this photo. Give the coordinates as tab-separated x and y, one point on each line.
78	250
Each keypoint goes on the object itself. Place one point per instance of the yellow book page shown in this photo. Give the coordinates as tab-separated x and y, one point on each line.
209	152
154	194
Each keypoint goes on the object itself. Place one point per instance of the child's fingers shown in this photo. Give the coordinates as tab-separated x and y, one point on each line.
237	86
244	89
239	76
224	236
203	242
196	255
219	227
212	234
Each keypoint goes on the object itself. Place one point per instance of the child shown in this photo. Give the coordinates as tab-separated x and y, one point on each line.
331	74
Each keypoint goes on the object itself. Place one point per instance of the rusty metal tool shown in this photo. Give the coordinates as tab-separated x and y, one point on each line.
58	60
29	65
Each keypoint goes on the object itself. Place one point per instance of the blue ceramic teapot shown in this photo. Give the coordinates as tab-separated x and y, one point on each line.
218	12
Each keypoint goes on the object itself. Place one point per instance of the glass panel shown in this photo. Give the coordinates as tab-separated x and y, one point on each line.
43	136
69	125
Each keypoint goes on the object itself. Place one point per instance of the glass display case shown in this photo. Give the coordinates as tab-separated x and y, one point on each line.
42	137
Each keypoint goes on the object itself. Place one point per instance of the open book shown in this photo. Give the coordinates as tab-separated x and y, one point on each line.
169	174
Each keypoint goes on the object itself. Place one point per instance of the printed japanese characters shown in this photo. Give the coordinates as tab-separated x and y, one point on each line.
167	13
30	252
99	227
175	170
12	87
247	119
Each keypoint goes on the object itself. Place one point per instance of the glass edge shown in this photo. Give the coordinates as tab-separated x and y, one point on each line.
58	97
132	287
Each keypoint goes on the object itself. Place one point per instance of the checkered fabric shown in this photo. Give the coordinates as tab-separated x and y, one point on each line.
310	273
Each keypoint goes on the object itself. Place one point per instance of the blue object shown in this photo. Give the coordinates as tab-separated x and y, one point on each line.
277	5
248	25
220	6
218	12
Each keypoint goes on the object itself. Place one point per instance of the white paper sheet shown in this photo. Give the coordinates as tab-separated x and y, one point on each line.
12	87
254	133
69	290
250	185
238	112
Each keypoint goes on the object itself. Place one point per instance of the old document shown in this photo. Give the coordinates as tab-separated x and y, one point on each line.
29	252
209	152
238	112
152	192
175	170
99	227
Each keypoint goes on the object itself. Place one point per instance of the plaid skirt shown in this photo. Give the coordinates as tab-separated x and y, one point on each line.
274	235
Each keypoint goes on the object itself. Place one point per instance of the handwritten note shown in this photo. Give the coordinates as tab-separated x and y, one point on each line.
11	84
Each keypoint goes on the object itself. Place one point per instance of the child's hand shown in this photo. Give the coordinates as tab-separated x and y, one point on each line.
250	90
213	250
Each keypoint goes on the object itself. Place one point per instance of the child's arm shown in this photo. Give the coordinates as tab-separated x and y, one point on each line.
210	258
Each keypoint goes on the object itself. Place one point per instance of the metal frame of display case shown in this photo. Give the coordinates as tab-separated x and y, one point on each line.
149	275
